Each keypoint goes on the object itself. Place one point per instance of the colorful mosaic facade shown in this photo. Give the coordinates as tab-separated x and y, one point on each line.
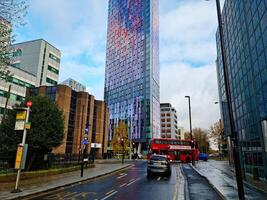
132	68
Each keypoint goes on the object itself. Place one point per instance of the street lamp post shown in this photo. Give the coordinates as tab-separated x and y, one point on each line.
190	123
234	136
122	143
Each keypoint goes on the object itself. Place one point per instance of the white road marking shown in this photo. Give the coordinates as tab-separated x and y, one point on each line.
134	180
123	184
110	192
121	176
109	195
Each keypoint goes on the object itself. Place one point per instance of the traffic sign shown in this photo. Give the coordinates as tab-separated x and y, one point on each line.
29	104
21	115
19	126
19	157
28	125
85	141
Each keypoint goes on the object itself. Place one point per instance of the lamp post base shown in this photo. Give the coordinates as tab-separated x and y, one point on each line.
16	191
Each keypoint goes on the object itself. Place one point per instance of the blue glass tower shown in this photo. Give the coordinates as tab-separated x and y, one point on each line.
132	68
245	38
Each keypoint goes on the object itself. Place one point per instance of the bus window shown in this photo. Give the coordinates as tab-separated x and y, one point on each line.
156	141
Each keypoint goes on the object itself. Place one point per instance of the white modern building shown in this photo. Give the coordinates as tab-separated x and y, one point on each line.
39	58
34	63
168	119
78	87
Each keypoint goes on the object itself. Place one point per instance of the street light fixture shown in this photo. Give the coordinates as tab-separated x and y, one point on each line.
190	123
234	136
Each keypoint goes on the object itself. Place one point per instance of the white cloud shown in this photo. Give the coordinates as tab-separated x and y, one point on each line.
187	40
187	58
179	80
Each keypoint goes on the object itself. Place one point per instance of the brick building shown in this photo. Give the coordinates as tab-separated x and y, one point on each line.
80	109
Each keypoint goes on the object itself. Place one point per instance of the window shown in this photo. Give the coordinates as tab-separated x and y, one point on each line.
53	57
17	53
52	69
49	80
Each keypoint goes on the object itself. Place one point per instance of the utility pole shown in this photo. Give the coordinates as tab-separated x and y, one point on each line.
234	136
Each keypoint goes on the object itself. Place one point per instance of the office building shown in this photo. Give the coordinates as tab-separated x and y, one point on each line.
168	121
32	64
80	110
18	84
132	69
39	58
245	37
78	87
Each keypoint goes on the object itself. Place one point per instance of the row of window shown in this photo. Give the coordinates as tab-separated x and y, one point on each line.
171	142
21	83
53	57
52	69
51	81
12	96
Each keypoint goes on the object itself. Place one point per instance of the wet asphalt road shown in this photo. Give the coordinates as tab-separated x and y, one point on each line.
130	184
198	187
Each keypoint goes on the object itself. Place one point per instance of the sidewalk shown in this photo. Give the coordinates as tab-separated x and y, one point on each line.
42	184
221	176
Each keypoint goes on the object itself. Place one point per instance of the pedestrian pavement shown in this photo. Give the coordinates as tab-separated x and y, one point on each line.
221	176
43	184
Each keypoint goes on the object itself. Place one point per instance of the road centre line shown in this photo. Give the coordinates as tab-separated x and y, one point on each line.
109	195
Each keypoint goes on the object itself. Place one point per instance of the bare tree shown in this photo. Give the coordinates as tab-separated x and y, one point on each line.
201	137
216	134
12	13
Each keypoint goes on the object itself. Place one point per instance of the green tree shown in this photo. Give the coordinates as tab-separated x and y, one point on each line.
8	136
120	132
46	133
201	137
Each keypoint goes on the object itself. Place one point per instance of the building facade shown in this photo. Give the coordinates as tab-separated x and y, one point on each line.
39	58
245	37
168	121
17	85
132	69
80	110
78	87
31	66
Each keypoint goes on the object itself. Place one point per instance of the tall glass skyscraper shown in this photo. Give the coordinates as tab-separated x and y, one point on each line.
245	37
132	68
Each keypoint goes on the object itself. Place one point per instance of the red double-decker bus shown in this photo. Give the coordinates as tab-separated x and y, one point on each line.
174	149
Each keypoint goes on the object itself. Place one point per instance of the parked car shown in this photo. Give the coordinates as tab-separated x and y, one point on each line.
158	164
203	156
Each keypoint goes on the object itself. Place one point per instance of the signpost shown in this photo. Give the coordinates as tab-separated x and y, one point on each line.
22	123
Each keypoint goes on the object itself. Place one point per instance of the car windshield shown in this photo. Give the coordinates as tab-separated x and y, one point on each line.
158	158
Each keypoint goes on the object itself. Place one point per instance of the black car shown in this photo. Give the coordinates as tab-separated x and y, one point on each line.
158	164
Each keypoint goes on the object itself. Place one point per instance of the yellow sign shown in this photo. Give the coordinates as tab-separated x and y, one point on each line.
21	115
18	157
28	125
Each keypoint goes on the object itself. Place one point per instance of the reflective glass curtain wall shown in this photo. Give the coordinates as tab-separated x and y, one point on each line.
132	68
245	37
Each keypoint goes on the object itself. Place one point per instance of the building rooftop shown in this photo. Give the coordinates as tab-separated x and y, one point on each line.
35	41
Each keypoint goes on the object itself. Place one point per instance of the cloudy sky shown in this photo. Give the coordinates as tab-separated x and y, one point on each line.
187	49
